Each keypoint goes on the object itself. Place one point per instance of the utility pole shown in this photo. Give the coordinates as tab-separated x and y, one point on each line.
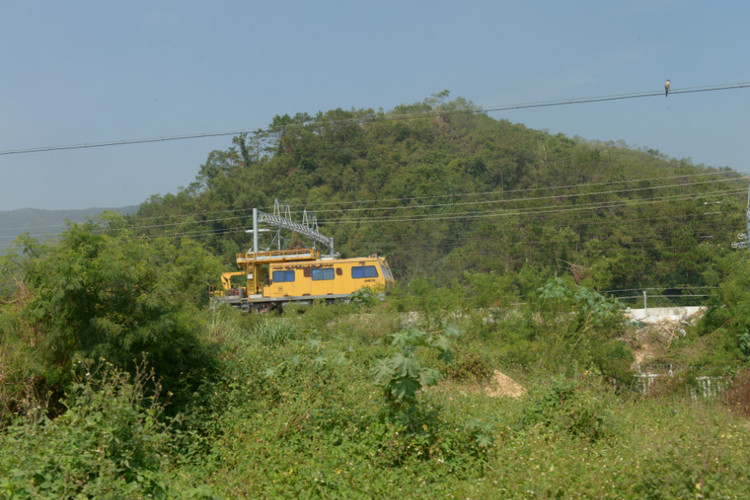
255	230
744	237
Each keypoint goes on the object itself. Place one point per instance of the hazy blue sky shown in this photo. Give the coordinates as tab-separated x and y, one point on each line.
78	72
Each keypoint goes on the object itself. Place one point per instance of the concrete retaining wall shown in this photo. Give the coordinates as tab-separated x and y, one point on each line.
659	314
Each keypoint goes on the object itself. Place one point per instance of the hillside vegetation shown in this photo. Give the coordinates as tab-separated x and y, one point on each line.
509	246
455	190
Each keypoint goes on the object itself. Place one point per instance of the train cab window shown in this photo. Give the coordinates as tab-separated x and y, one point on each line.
386	272
283	276
326	273
364	272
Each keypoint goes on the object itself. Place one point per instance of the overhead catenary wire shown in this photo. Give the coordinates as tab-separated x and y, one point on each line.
479	232
496	193
637	243
484	233
618	97
512	212
533	198
524	212
634	242
454	240
504	212
245	212
531	212
383	117
503	192
668	287
663	296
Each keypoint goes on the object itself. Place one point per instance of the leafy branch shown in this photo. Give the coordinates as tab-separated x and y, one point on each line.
402	374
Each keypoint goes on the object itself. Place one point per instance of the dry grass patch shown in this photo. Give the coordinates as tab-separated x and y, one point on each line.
498	385
501	385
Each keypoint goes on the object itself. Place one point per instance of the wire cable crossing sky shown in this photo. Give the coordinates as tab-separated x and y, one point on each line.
173	82
528	105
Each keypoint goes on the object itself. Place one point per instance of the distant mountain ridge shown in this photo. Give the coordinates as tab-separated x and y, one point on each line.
41	223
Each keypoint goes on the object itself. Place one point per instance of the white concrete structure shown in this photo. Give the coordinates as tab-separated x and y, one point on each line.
658	314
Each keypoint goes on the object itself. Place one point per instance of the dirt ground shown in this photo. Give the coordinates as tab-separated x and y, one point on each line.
498	386
501	385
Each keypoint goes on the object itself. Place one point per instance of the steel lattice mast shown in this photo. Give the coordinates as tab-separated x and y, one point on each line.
282	219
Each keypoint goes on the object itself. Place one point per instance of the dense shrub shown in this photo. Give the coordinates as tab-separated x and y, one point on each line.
728	312
468	367
109	443
577	315
366	298
100	293
569	406
402	374
613	358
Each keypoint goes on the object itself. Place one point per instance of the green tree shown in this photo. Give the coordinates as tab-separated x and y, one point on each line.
100	293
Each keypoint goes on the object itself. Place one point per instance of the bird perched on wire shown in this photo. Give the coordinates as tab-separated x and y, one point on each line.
666	88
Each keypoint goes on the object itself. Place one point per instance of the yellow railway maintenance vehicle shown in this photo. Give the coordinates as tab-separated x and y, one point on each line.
271	279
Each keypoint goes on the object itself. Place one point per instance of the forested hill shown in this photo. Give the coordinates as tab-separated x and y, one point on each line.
441	189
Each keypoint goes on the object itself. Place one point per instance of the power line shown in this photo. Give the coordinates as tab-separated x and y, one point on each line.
481	233
429	218
503	192
405	116
617	97
634	242
662	288
122	142
240	213
533	198
533	211
514	212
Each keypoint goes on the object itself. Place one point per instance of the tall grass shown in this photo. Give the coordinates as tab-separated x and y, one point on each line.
295	410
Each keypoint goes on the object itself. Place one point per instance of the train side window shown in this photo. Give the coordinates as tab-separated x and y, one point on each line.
364	272
326	273
283	276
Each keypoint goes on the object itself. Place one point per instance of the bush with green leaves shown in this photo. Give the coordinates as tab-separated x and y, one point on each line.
572	318
109	443
728	312
574	407
101	293
613	358
366	298
401	375
468	366
589	312
486	290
